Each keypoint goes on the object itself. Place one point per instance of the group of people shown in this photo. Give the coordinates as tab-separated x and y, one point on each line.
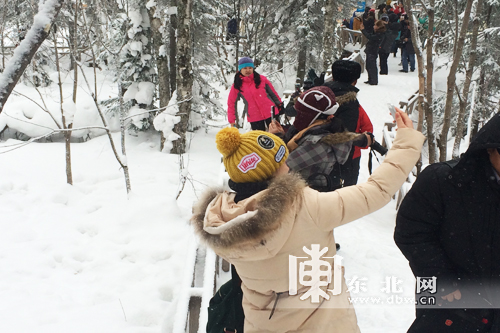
387	30
291	188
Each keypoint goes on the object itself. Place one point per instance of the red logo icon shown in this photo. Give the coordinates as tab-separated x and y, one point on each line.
249	162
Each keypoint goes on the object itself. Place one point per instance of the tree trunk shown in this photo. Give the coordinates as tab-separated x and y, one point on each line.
76	53
468	79
1	34
28	47
328	34
443	139
173	50
483	87
161	64
237	3
184	74
67	134
123	158
420	62
301	67
429	95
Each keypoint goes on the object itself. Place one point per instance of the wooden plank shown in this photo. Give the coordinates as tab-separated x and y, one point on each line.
194	314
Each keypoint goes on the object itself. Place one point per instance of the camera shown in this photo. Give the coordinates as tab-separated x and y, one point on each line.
377	146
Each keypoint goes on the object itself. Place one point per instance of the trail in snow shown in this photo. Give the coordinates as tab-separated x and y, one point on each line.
85	259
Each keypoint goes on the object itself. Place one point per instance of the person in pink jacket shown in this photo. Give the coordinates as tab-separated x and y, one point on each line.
257	93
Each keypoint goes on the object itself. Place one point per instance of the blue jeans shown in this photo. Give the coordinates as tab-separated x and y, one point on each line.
406	57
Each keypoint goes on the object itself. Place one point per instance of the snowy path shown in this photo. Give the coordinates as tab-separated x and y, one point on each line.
85	259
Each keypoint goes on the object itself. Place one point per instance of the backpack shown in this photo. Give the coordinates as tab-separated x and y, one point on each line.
225	310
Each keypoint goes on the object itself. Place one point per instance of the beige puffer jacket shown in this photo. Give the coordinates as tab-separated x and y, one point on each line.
257	235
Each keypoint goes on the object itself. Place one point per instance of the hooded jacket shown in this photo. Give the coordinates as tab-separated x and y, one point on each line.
258	101
448	225
259	234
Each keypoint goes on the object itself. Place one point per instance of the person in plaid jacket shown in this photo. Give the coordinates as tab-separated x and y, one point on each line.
322	143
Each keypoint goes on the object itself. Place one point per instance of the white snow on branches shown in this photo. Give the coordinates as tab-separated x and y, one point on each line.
165	122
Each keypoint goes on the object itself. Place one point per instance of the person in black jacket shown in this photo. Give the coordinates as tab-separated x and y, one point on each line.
371	50
448	227
390	36
345	75
408	52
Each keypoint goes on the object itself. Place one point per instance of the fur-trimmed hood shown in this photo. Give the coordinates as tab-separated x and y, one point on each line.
346	98
338	138
231	227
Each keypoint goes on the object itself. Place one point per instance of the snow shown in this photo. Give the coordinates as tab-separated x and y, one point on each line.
69	109
85	258
166	120
142	92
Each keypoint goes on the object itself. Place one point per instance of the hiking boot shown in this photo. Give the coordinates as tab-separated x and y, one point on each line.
403	71
412	70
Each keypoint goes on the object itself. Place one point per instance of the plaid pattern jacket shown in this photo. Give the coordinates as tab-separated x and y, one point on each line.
315	158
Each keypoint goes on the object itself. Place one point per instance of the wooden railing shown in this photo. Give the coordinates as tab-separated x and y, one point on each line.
348	36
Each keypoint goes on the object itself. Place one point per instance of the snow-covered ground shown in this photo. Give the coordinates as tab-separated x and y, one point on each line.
85	258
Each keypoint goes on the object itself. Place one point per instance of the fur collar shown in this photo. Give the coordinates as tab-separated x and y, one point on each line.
281	194
337	138
346	98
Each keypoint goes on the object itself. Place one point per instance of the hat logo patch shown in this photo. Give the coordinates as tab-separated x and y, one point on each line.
318	97
279	155
249	162
265	142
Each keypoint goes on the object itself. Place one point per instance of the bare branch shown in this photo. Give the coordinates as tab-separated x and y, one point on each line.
28	47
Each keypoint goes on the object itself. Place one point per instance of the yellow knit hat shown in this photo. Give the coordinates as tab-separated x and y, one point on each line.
250	157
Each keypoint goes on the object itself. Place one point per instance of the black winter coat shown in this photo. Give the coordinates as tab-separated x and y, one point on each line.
448	226
389	37
348	111
374	40
406	33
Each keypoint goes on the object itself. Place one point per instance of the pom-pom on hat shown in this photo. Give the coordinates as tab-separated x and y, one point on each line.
313	103
250	157
245	62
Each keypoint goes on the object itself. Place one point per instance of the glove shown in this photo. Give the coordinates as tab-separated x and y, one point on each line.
281	108
319	80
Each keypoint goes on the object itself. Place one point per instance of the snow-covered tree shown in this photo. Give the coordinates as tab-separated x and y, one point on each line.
138	75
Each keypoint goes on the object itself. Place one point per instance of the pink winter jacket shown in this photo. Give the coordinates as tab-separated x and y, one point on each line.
258	101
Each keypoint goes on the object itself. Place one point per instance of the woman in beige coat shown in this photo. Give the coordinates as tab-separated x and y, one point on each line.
273	215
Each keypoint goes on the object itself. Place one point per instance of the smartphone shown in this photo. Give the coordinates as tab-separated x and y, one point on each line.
392	108
272	113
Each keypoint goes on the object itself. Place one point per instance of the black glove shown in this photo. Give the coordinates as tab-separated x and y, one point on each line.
319	80
281	108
